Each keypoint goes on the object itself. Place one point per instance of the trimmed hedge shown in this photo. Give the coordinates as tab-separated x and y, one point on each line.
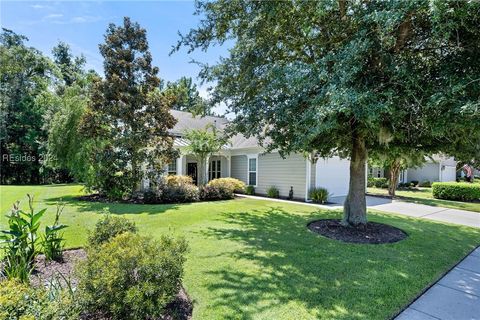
456	191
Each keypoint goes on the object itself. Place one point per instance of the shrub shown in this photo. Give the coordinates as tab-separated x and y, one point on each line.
250	190
273	192
233	184
108	227
131	277
319	195
370	182
380	182
150	197
178	189
414	183
20	301
456	191
215	192
425	184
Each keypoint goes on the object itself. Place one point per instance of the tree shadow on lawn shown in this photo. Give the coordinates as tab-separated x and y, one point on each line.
288	267
114	207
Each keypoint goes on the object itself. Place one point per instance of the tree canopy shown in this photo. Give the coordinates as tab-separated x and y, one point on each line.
186	97
346	77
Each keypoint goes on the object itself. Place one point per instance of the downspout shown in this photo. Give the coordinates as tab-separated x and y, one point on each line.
308	173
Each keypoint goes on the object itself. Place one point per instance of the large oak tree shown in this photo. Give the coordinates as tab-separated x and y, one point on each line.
346	77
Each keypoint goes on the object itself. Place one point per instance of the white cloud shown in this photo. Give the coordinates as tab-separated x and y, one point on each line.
85	19
37	6
53	16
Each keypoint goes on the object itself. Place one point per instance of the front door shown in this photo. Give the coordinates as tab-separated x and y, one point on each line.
192	171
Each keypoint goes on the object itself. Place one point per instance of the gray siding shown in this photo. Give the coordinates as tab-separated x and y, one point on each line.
429	172
273	170
239	168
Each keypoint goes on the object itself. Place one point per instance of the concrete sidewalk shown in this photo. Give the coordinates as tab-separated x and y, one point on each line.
462	217
456	296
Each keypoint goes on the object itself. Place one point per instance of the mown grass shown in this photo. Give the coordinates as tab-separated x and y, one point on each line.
424	196
255	259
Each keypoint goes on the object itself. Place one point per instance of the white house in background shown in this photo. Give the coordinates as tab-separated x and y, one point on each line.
438	168
246	160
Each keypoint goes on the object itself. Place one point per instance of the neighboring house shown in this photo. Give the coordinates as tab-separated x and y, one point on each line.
438	168
246	160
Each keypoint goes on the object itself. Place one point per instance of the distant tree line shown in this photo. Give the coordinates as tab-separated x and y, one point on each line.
60	122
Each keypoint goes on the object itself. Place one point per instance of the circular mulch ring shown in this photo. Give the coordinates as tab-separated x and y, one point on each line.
373	233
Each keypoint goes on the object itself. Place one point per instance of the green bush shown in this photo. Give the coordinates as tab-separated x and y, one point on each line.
318	195
250	190
20	301
273	192
131	276
108	227
215	192
456	191
425	184
233	184
370	182
178	189
414	183
380	182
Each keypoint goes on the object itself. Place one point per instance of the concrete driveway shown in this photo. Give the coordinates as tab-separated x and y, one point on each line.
463	217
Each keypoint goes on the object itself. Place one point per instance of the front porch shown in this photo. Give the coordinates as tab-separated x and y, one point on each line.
219	166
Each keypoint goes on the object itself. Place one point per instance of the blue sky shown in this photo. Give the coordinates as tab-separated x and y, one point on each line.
83	24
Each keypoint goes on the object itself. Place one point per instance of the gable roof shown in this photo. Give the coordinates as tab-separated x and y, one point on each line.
187	121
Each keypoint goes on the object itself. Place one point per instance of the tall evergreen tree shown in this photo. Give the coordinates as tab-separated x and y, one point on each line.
128	116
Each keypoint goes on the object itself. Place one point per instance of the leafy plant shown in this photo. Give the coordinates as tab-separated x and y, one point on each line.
319	195
273	192
53	240
20	239
18	300
131	276
108	227
250	190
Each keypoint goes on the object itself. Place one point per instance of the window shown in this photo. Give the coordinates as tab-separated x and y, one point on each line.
252	171
214	170
172	168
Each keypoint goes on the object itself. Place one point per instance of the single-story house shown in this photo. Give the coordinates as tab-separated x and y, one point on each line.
246	160
438	168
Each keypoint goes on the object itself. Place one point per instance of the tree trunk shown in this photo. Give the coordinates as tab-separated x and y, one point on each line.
355	207
394	172
202	170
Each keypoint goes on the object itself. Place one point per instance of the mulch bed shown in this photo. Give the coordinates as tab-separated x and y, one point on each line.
46	272
373	232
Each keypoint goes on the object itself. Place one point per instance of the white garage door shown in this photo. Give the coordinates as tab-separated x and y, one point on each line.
448	173
334	175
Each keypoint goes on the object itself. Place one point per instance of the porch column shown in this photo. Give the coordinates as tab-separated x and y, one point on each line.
180	165
229	161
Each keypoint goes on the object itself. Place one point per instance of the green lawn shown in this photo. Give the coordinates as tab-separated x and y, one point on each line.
255	259
424	196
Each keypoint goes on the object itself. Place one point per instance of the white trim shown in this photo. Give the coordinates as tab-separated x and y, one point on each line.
229	162
252	156
308	173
